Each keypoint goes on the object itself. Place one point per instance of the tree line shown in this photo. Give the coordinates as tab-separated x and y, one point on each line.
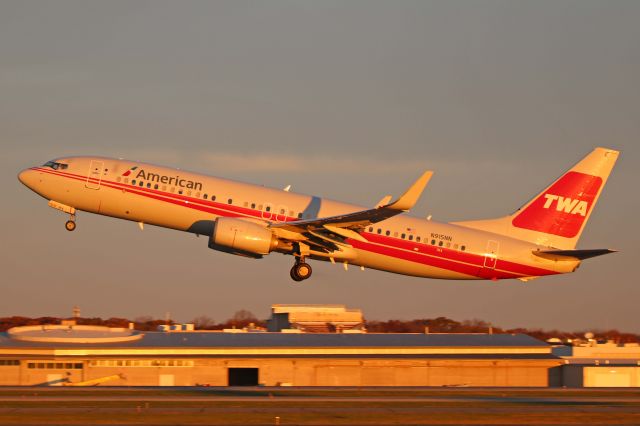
244	318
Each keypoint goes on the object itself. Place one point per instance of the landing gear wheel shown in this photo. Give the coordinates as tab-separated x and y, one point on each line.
301	271
70	225
293	274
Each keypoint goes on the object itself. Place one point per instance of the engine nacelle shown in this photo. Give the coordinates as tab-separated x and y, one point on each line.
242	237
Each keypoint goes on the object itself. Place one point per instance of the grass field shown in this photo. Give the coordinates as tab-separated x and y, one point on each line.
264	406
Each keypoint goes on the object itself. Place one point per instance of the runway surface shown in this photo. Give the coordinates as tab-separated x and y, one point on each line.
314	406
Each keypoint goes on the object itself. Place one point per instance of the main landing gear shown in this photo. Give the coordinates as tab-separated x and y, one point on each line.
300	270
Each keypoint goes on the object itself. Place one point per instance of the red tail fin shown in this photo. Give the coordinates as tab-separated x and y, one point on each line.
562	209
557	216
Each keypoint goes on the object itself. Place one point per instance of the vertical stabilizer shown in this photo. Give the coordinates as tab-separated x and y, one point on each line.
557	216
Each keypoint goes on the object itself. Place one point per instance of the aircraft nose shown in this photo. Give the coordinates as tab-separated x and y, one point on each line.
25	177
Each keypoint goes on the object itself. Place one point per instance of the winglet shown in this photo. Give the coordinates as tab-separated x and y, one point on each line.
411	195
384	201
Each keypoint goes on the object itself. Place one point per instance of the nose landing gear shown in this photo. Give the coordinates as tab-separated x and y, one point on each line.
300	271
70	224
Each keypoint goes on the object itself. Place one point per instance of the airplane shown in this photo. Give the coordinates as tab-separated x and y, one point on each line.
539	239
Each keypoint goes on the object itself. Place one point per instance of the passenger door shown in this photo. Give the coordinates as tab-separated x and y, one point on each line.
94	178
491	254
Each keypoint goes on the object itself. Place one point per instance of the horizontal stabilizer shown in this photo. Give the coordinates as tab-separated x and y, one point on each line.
574	254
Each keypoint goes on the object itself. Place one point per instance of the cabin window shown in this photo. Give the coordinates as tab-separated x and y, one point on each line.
141	183
433	242
246	204
410	237
388	233
204	196
395	234
180	192
462	248
402	236
455	247
213	198
253	205
268	208
448	245
281	211
371	229
440	244
379	230
230	201
155	186
299	215
148	184
417	239
133	182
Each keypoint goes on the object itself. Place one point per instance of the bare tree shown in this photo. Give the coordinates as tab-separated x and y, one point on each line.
203	322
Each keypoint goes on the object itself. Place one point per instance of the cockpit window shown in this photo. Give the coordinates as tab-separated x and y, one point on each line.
55	166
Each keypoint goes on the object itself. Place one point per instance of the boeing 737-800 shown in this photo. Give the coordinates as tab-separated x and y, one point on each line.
250	220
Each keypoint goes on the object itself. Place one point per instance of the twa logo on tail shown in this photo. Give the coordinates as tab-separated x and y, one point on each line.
566	204
562	209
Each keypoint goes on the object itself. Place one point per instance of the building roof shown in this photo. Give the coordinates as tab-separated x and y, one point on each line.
299	340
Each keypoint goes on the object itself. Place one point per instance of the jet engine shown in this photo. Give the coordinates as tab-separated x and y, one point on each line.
242	237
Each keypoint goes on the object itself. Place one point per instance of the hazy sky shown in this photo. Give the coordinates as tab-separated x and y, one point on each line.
344	99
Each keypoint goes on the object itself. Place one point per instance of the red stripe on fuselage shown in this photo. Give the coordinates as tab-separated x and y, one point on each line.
439	257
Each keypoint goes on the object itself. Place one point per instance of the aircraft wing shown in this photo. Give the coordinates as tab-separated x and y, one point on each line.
346	225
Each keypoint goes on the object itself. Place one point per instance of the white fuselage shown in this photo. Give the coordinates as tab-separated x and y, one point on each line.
191	202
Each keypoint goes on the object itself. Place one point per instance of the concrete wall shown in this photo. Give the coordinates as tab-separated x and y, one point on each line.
307	372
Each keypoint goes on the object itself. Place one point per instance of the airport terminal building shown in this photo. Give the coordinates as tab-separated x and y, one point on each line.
89	355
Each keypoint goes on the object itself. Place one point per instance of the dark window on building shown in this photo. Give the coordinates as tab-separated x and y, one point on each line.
243	377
